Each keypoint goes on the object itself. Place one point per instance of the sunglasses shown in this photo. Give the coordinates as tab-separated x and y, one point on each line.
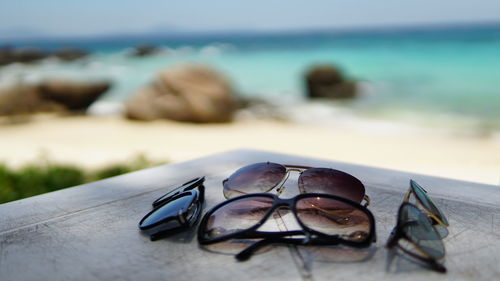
418	232
323	219
415	235
265	176
175	211
423	200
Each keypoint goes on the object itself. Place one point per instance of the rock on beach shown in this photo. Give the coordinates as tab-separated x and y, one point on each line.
189	93
23	55
10	55
74	96
69	54
50	96
144	50
327	81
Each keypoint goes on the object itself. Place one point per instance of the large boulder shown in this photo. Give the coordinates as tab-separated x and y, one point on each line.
69	53
144	50
23	55
50	96
190	93
28	54
74	96
326	81
31	54
24	99
6	55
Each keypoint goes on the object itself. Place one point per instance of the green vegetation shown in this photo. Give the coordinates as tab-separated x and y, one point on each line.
44	176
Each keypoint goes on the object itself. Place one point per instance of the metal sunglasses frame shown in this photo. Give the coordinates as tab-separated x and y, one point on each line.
299	169
436	219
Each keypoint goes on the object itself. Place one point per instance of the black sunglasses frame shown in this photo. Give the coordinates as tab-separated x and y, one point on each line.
397	234
312	237
192	184
300	169
185	218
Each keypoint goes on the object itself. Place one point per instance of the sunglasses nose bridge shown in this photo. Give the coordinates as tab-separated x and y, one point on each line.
279	202
180	216
281	185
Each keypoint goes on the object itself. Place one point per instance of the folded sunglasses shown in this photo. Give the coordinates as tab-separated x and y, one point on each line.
176	210
422	199
419	232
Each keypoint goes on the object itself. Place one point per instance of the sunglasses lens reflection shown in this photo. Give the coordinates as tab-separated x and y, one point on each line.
169	212
255	178
333	217
237	215
419	230
330	181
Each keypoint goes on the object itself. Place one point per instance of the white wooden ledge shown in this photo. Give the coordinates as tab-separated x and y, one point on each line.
90	232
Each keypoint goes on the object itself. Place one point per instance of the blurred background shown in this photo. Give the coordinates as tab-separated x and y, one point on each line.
115	86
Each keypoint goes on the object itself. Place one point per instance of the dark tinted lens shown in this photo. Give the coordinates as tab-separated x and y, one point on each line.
237	215
330	181
427	202
441	230
333	217
418	229
255	178
169	211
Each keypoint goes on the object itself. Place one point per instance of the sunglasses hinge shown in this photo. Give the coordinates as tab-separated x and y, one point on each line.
182	219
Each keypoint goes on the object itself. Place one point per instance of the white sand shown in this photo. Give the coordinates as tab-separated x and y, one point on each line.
95	141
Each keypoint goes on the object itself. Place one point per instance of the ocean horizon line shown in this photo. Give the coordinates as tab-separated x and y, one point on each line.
181	34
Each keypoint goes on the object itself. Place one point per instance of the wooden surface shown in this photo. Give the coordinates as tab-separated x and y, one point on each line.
90	232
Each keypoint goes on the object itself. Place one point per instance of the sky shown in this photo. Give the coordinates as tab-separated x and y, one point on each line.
99	17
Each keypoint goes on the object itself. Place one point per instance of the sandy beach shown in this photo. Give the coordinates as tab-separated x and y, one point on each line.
92	141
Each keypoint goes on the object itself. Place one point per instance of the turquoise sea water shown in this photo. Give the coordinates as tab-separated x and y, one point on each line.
448	76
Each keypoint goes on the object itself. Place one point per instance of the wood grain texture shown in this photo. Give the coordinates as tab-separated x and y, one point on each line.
90	232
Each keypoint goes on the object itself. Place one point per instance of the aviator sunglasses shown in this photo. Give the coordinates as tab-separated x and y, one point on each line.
323	219
266	176
176	210
423	200
419	232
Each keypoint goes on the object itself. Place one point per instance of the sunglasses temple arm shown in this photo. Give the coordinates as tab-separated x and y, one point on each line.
435	265
165	197
407	195
367	200
201	189
438	267
393	238
176	190
250	250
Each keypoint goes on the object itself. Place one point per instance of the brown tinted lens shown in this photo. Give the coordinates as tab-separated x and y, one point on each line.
237	215
333	217
255	178
234	246
330	181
